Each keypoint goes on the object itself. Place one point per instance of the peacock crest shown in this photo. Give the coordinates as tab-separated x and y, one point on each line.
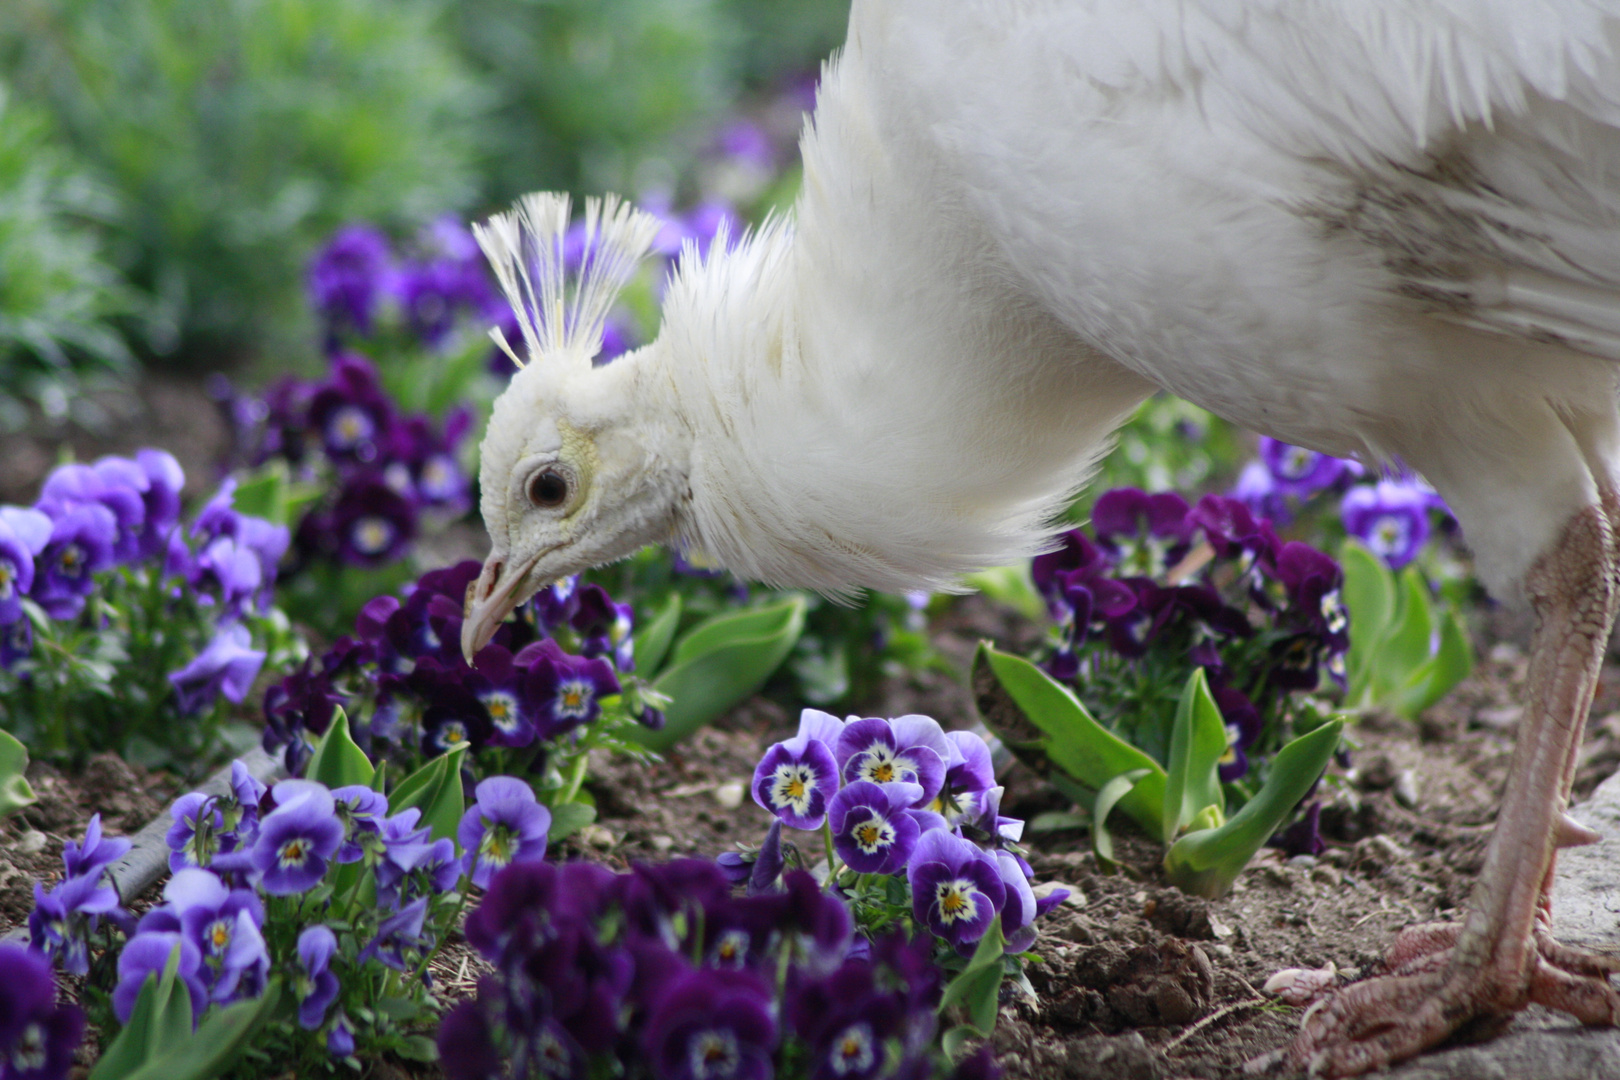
561	315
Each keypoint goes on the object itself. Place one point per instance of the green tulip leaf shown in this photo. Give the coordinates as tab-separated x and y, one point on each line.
1052	728
222	1036
435	789
568	818
15	791
977	987
720	662
1102	841
654	636
1206	862
1369	596
337	761
1197	741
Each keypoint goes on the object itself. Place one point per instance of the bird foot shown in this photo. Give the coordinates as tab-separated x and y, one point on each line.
1428	997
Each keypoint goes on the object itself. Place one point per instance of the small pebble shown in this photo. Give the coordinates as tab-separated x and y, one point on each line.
1220	929
1499	719
1505	652
30	842
1304	862
597	836
1222	950
1046	888
730	795
1327	875
661	844
1406	789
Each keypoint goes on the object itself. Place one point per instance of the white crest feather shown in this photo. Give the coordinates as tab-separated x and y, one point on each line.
526	247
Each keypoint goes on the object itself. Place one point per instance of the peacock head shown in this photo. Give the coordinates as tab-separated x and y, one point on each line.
572	473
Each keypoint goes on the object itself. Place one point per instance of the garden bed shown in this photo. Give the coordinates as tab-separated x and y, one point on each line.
1134	978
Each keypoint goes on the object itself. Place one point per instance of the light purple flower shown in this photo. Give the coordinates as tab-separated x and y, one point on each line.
23	534
969	773
113	487
956	889
348	275
297	839
147	954
1298	471
505	825
227	665
64	918
909	749
164	482
194	838
80	547
361	811
316	986
398	936
1018	912
95	854
410	850
798	777
224	924
1390	517
871	829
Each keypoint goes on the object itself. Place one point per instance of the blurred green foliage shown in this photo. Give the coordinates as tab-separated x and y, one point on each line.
240	133
57	291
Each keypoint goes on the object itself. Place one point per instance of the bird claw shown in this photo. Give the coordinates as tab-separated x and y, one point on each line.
1424	1000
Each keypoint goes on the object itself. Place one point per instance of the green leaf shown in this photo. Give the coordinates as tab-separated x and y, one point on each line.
1197	741
1067	736
337	761
15	792
1405	648
1205	863
720	662
654	636
1369	596
1010	585
1451	664
977	988
568	819
1102	841
159	1024
417	1048
220	1038
435	789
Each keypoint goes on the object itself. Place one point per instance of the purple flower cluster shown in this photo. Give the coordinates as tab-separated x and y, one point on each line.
65	917
1394	517
902	797
522	689
37	1035
125	513
661	971
1210	585
386	469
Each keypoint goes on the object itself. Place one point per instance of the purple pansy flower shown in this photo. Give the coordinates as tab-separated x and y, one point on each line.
969	773
227	665
956	888
504	825
348	275
81	545
297	839
871	830
91	857
64	918
712	1025
360	810
37	1036
1148	532
316	986
224	924
23	534
1243	726
370	525
194	838
798	777
1298	471
351	412
466	1041
909	749
16	643
567	690
1019	911
399	935
82	485
164	482
1390	517
409	849
146	955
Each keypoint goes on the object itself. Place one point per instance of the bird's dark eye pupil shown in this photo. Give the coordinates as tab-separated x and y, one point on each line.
548	488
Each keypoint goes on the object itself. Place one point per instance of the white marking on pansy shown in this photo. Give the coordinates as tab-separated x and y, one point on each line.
553	1057
873	835
791	786
881	765
714	1053
30	1052
574	698
854	1049
398	476
499	846
1296	462
71	560
218	936
955	901
503	709
1334	613
438	477
453	733
348	426
732	948
293	853
8	576
372	534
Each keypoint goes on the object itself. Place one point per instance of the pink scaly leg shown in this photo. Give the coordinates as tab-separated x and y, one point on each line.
1502	957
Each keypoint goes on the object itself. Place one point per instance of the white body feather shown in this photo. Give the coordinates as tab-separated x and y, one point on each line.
1384	230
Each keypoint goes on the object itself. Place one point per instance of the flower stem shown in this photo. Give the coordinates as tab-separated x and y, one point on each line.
576	777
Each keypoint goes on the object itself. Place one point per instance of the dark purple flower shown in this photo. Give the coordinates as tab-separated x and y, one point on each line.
430	295
1298	471
1243	725
567	690
316	986
1126	520
64	918
16	643
956	889
300	705
164	482
712	1025
1303	837
766	871
466	1041
348	275
351	412
798	777
422	464
505	825
297	839
604	627
847	1019
1076	552
95	854
340	1039
23	535
969	773
871	830
370	525
1234	532
37	1036
1390	517
81	545
227	665
145	956
979	1065
909	749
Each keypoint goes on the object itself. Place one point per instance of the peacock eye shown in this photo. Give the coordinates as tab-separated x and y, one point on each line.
548	489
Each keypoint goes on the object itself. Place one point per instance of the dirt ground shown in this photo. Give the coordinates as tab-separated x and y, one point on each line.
1131	978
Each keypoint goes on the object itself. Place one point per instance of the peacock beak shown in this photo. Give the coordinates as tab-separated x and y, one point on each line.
490	599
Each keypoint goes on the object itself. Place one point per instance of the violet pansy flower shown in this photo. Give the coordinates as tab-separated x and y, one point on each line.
297	839
1390	517
37	1036
81	545
969	773
798	777
712	1025
1298	471
227	665
147	954
316	985
505	824
96	853
23	535
909	749
871	829
956	888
